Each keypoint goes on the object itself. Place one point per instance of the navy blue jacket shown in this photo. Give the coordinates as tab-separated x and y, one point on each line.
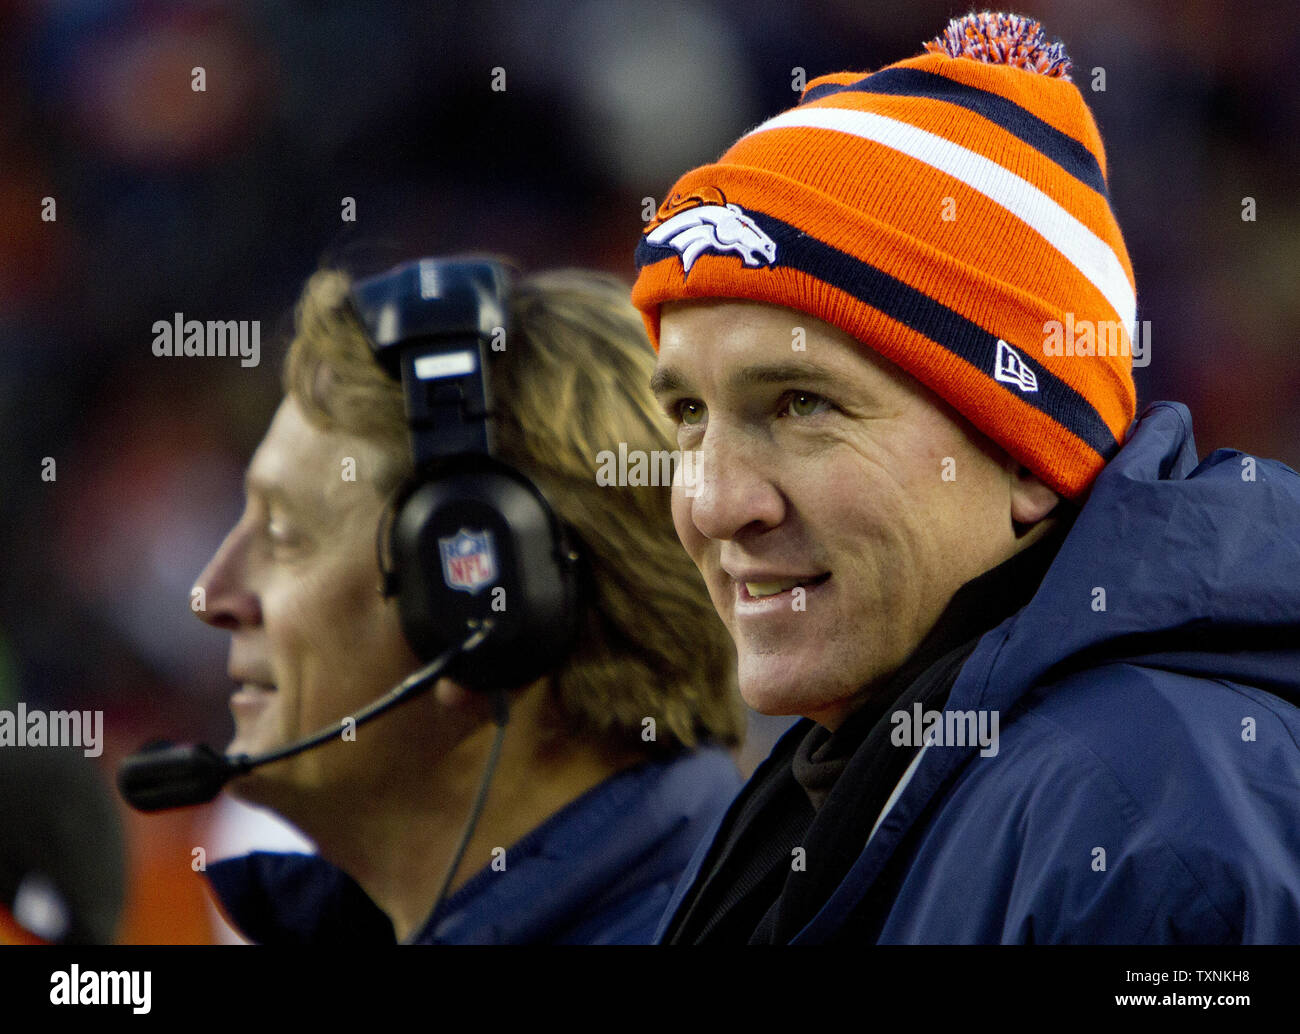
598	871
1147	782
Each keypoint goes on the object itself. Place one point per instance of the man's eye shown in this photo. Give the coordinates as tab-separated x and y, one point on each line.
689	411
805	403
280	534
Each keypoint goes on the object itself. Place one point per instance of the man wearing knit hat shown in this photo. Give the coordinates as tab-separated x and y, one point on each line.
1048	665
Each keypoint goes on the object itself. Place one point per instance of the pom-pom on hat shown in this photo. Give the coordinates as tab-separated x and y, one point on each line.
949	211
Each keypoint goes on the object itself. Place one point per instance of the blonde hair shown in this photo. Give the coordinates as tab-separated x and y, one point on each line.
571	383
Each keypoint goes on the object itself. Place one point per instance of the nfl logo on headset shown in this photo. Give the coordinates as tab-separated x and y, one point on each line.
468	560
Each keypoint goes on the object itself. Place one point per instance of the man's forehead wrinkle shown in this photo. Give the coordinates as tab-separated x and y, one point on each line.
302	463
668	380
780	373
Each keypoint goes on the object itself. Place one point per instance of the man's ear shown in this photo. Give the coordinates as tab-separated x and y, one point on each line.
1031	500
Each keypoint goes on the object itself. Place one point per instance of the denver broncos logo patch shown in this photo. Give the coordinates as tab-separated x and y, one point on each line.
715	226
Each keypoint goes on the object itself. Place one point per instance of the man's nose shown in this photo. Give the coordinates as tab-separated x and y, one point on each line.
221	595
728	486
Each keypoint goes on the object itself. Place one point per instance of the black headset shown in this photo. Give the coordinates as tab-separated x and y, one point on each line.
490	587
468	542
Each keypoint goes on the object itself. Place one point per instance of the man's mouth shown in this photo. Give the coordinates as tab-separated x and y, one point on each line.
759	589
250	695
250	700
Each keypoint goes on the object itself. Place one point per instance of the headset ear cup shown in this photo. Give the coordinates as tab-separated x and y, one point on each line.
476	545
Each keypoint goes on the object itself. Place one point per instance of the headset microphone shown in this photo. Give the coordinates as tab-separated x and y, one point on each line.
170	776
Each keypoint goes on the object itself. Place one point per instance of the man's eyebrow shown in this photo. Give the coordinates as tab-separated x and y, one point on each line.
667	381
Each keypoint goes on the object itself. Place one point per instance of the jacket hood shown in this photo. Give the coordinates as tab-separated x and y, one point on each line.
1170	564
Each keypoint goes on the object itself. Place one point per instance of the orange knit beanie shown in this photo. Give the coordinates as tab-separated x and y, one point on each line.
949	211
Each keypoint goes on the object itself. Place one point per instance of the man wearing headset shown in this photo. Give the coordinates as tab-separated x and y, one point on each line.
612	766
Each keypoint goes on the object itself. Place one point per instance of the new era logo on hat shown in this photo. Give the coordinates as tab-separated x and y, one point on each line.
1011	369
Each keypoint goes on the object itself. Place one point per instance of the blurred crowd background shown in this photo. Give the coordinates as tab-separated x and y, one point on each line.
218	204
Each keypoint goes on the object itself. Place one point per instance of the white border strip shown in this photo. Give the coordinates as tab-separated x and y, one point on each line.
1087	252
